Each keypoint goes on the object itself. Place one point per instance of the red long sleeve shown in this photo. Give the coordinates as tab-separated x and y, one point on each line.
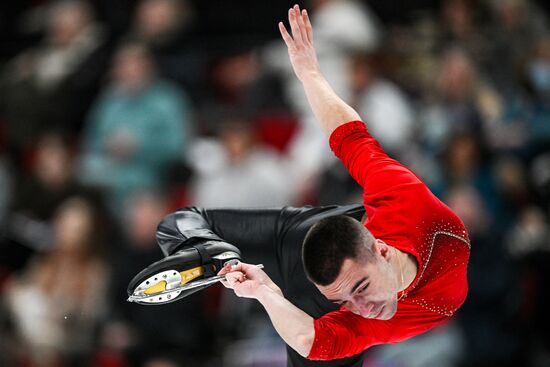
404	213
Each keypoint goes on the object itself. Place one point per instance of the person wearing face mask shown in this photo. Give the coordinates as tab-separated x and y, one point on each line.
350	276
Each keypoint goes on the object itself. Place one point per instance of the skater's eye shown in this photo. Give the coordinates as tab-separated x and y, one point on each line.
363	288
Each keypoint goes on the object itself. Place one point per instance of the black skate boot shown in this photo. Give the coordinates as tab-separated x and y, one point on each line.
183	273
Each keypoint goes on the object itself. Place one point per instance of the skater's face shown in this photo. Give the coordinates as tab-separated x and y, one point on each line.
367	286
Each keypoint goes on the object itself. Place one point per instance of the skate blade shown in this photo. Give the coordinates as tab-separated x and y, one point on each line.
164	287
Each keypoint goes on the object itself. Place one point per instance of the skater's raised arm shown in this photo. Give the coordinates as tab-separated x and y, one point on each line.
362	155
330	110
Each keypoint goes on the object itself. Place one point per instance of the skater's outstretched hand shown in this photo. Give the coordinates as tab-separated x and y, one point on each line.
247	280
328	108
300	43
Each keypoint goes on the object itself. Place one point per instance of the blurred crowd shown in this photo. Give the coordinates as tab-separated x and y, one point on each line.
112	114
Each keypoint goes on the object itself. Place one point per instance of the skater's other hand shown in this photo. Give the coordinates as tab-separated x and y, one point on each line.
247	280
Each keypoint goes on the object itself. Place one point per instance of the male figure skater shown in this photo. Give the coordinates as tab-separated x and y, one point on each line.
398	273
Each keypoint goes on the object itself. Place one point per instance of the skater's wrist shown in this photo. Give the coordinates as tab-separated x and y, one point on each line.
266	292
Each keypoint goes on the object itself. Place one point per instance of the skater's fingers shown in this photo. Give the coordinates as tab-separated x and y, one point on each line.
234	278
307	23
238	266
226	269
286	36
293	13
244	267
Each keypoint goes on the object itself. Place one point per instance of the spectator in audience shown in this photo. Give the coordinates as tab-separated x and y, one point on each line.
38	195
462	103
233	81
136	130
489	335
523	129
158	22
513	187
467	162
530	234
52	85
387	109
238	170
167	27
462	26
60	297
515	28
529	245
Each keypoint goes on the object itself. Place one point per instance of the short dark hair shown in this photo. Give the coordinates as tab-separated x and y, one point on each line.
329	242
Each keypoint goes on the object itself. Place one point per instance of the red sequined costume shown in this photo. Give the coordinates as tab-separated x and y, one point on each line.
405	214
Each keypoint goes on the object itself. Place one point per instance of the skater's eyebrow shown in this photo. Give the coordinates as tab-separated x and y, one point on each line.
353	289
